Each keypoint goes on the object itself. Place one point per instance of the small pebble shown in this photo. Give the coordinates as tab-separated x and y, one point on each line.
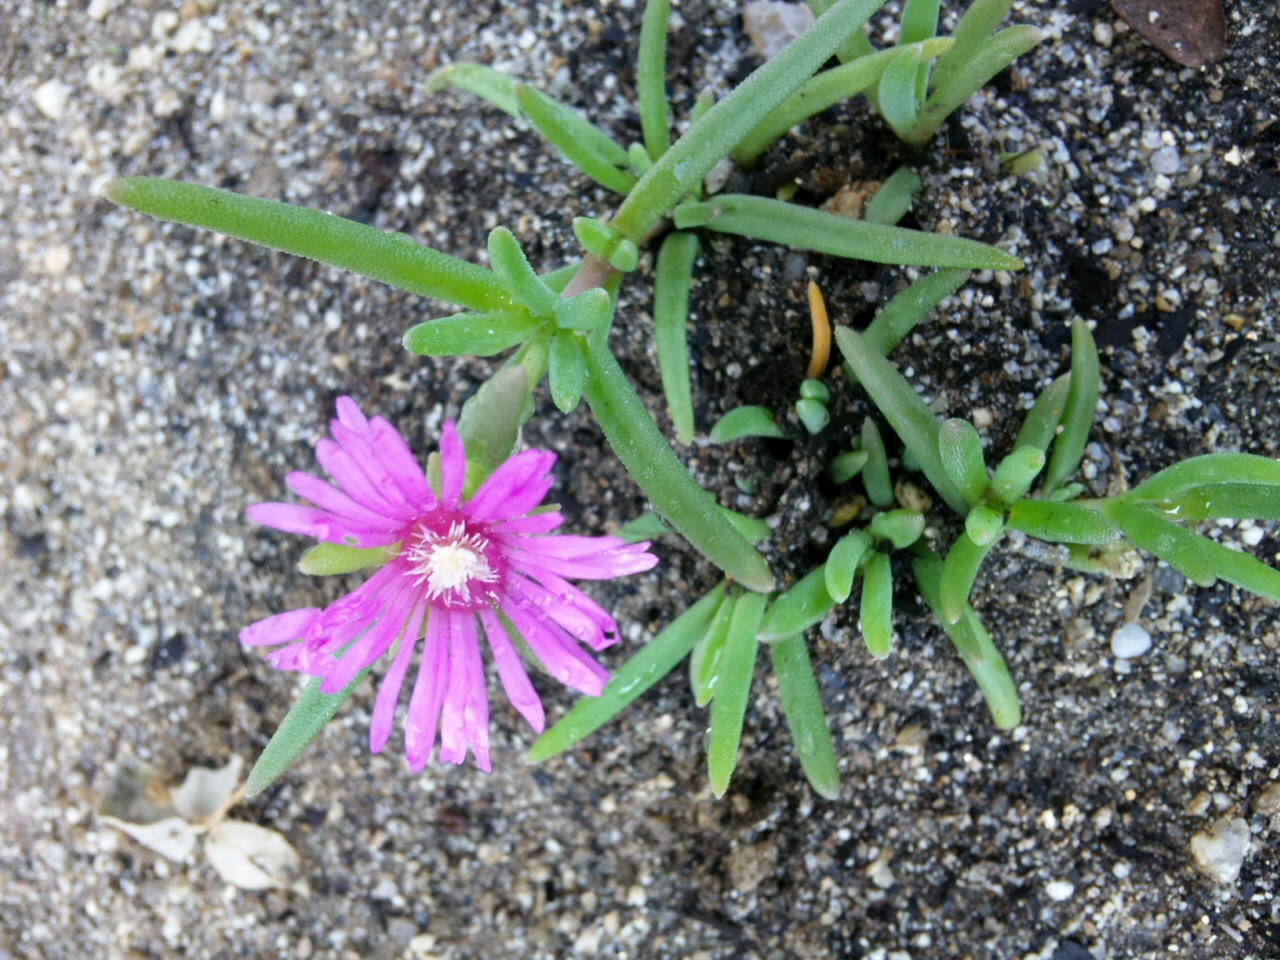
1131	640
1219	852
1059	890
51	98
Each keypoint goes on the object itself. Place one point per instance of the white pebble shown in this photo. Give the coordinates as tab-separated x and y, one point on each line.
1131	640
1166	161
1059	890
98	10
51	98
1219	852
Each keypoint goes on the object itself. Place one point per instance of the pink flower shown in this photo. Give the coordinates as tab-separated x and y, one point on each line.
452	563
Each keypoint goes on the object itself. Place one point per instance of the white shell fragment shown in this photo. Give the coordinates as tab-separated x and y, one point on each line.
771	26
253	858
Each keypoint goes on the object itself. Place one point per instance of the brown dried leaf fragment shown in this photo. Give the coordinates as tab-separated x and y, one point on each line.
1188	32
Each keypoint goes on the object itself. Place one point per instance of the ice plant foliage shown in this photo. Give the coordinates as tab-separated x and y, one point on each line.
457	567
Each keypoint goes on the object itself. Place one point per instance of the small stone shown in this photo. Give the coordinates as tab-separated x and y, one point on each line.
56	260
51	98
1268	802
771	25
1131	640
98	10
1219	852
750	865
1166	161
1059	890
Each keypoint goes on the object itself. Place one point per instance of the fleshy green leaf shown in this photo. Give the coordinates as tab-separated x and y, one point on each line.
909	416
802	705
647	526
842	564
984	525
512	266
953	90
848	465
1210	468
470	334
673	278
826	89
589	310
901	528
729	708
798	608
649	665
1062	522
579	141
496	87
892	201
1199	558
1041	424
489	423
897	94
669	486
1218	500
679	172
901	314
978	22
651	78
1016	473
1082	402
775	221
394	258
704	661
748	421
875	616
973	643
566	370
302	724
875	472
960	450
331	559
959	571
753	529
813	414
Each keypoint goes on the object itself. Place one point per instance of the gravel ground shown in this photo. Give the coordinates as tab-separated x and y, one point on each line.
157	379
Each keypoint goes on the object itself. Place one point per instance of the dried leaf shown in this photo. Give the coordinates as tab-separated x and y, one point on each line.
205	792
253	858
1188	32
138	803
171	837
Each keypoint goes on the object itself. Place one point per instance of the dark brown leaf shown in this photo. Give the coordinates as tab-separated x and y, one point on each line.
1188	32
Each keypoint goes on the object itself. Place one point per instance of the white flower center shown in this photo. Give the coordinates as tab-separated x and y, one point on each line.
454	563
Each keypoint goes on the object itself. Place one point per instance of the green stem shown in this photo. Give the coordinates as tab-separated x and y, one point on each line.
663	478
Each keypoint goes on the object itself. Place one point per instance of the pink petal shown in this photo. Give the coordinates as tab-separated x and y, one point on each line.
347	472
570	619
377	640
351	614
532	523
428	693
319	524
401	463
526	497
350	414
453	465
384	706
279	628
490	501
360	447
605	566
464	722
329	498
555	648
515	681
